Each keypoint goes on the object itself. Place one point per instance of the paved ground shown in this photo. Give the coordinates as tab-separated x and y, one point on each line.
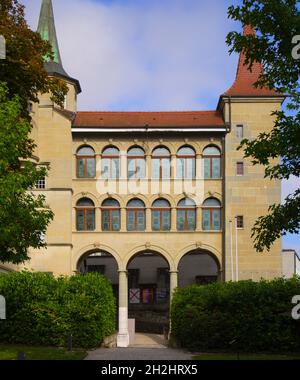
145	347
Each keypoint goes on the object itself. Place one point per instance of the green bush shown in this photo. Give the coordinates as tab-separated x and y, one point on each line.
247	316
44	310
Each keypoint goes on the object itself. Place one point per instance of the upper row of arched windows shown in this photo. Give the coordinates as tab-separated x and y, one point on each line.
136	162
136	215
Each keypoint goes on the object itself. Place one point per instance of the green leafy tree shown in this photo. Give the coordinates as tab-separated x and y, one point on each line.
23	215
276	22
23	69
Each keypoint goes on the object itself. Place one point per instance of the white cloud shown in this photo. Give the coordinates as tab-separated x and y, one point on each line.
164	55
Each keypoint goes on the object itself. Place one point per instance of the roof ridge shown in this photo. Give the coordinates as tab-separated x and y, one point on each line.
147	112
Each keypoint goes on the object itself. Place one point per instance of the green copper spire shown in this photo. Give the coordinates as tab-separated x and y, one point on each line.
47	29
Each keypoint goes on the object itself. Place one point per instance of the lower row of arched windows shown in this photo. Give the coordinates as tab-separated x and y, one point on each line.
136	215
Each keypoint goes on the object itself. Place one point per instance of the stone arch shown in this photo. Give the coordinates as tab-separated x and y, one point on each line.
89	195
165	144
150	248
189	144
212	144
117	197
81	144
214	194
167	197
180	197
208	249
92	248
139	196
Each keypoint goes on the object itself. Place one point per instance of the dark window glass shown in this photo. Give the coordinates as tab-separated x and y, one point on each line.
161	215
212	162
240	168
211	215
186	215
240	221
136	218
186	163
85	215
111	217
86	162
161	163
110	163
240	131
136	163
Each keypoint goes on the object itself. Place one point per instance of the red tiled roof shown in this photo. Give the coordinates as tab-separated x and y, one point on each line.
243	85
150	119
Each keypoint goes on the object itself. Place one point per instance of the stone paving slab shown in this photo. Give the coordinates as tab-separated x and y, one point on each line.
136	353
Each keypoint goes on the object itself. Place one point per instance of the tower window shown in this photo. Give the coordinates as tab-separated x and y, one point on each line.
240	221
41	183
240	131
240	168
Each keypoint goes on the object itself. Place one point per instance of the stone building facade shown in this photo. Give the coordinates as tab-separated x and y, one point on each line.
145	186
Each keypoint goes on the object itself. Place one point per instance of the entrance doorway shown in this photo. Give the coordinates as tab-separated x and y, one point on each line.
149	292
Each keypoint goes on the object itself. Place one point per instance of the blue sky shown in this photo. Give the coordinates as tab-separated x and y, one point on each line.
147	55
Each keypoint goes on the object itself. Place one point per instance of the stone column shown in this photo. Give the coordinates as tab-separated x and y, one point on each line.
123	219
173	286
173	283
174	219
148	219
123	335
199	218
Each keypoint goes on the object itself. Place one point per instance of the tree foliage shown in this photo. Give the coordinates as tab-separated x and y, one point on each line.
23	215
23	68
276	23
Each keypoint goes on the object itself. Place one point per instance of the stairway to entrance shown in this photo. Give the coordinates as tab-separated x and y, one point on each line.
143	340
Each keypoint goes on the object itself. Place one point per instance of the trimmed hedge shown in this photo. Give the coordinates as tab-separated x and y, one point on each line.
246	316
44	310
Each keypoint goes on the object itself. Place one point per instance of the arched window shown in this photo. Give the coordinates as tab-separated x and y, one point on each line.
161	163
186	215
85	215
136	163
186	163
111	163
211	215
136	219
212	162
111	218
86	162
161	215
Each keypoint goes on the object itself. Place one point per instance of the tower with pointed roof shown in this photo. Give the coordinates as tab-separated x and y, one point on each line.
247	109
47	30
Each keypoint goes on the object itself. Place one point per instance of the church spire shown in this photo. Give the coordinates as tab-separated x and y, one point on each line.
46	28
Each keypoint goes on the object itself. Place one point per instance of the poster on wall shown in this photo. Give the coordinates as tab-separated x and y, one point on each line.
134	295
162	295
148	296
